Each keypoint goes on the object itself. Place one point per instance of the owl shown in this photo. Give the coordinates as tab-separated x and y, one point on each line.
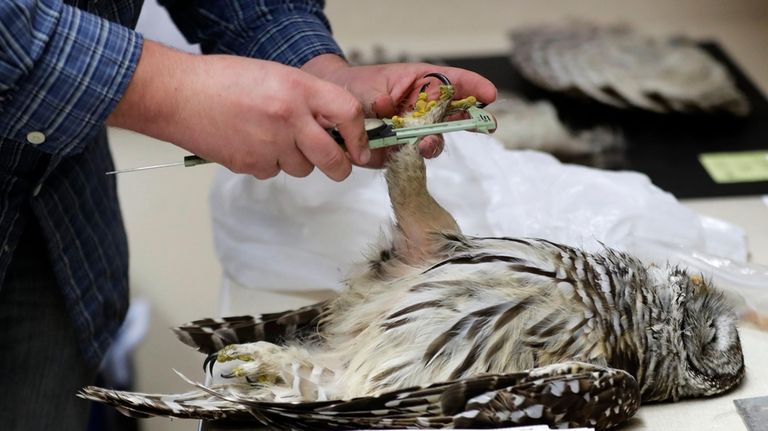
444	330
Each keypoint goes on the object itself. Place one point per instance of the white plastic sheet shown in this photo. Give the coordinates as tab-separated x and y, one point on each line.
288	233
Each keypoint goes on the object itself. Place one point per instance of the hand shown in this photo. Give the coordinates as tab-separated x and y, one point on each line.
252	116
384	90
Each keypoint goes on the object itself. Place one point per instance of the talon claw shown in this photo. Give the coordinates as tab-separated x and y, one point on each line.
444	79
209	362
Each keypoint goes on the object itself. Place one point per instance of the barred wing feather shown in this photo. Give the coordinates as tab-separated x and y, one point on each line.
211	335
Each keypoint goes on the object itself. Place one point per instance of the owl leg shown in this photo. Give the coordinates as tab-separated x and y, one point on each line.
419	217
278	373
417	214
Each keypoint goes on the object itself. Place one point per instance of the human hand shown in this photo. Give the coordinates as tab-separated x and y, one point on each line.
387	89
252	116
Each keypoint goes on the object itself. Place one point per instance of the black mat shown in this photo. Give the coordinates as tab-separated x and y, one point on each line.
663	146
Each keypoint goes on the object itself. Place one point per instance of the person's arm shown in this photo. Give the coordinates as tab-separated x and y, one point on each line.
62	71
256	117
297	33
252	116
290	32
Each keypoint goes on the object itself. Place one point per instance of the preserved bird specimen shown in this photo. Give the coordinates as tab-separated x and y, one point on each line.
444	330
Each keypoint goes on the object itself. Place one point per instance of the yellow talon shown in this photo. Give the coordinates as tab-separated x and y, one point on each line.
464	103
446	92
424	106
260	378
697	280
264	378
225	356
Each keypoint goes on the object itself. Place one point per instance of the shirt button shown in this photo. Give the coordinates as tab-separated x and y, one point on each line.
35	138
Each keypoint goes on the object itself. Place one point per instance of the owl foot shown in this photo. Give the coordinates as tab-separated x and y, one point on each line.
425	110
279	373
255	363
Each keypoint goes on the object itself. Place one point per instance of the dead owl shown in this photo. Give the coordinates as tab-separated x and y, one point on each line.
444	330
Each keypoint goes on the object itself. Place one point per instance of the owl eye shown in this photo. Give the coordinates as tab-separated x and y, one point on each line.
713	332
713	338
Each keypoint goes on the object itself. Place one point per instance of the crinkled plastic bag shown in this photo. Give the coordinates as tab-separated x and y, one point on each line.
307	233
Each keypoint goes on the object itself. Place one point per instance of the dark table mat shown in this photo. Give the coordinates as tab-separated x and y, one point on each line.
663	146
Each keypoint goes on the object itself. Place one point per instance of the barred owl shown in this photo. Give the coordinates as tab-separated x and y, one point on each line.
444	330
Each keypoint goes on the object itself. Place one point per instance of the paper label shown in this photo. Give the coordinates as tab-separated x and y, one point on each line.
736	167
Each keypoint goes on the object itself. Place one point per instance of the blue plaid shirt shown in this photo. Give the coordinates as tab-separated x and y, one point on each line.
64	65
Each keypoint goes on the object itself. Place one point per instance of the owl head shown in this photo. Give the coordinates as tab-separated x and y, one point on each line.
701	326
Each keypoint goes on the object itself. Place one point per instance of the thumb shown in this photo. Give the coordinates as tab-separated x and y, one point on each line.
383	106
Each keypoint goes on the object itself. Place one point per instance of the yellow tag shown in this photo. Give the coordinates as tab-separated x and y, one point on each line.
736	167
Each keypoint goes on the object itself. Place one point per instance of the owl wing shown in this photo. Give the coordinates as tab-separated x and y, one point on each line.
195	404
572	394
569	394
211	335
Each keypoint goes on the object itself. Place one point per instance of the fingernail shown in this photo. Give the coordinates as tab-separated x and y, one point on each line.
365	156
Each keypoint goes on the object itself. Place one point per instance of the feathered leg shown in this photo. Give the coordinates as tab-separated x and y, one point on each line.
419	217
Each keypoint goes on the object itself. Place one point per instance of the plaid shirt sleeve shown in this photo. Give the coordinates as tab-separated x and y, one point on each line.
62	71
290	32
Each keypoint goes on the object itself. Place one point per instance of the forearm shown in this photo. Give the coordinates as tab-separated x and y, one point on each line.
150	104
252	116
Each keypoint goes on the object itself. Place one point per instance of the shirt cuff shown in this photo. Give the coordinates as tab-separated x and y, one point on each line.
291	39
74	85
